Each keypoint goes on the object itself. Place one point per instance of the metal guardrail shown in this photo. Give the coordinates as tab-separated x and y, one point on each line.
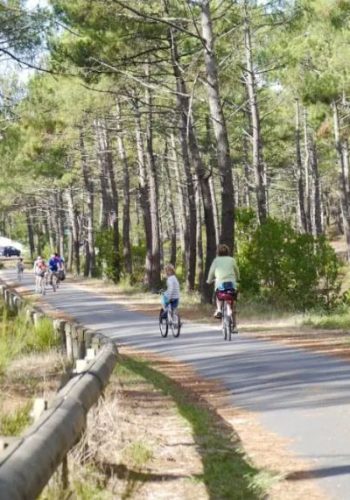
28	463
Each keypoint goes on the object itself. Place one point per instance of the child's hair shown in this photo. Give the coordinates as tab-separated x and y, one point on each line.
169	269
223	250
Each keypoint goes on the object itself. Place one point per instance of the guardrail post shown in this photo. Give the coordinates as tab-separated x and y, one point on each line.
37	316
59	327
69	343
18	302
30	315
7	297
12	305
88	336
81	342
78	345
96	342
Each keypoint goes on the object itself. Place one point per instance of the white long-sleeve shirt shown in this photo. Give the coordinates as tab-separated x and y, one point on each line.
173	288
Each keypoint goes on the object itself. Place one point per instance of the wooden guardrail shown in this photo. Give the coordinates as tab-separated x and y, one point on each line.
28	462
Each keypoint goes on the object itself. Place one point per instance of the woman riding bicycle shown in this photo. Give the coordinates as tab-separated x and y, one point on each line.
224	271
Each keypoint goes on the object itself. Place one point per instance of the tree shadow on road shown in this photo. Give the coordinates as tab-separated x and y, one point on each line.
227	473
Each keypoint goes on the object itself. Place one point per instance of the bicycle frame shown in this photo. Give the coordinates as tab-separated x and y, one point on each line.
171	320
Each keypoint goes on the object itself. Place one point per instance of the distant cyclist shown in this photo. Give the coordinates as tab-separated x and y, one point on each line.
61	267
224	271
40	269
20	269
54	266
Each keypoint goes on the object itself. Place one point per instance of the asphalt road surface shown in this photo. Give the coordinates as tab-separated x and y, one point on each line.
299	395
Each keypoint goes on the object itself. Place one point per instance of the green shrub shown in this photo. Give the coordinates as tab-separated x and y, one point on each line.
138	263
43	337
287	268
107	260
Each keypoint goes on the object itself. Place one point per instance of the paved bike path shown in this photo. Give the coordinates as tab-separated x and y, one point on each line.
297	394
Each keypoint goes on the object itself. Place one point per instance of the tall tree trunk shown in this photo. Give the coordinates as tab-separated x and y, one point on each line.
204	180
317	201
144	193
182	102
248	186
258	161
50	224
343	180
299	171
307	185
200	260
170	203
60	222
73	220
181	196
126	192
153	191
90	263
215	209
30	230
219	126
213	167
114	204
190	141
105	198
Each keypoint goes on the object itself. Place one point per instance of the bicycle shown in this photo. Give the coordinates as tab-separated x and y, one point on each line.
228	311
54	280
169	316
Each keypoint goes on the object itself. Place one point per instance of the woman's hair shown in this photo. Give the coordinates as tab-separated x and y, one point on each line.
223	250
169	269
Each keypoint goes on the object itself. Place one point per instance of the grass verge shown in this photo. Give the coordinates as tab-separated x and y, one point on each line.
335	320
18	336
227	472
16	422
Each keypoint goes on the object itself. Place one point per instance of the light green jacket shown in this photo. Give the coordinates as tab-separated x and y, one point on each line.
223	269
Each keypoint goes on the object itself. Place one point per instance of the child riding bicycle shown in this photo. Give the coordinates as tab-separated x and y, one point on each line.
172	293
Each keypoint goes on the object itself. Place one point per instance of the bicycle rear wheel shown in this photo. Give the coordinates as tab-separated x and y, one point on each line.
226	323
175	323
54	283
229	327
163	324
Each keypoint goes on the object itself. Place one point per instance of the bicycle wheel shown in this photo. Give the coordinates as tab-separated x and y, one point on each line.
224	322
175	323
54	283
229	327
163	324
234	319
